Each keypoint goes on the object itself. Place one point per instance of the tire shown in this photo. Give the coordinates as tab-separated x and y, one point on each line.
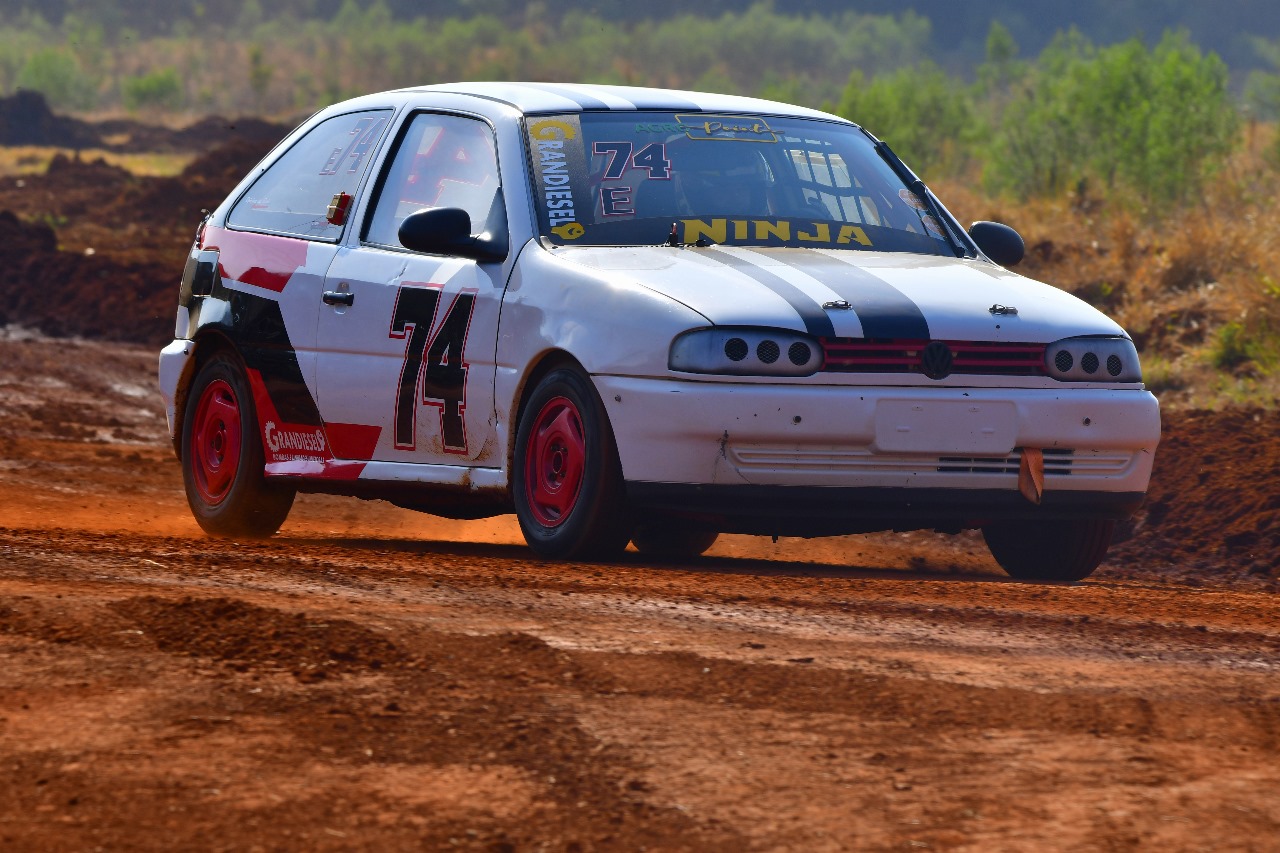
568	489
1064	550
222	459
670	540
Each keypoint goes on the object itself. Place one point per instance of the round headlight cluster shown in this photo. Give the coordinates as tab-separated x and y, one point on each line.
1093	360
745	352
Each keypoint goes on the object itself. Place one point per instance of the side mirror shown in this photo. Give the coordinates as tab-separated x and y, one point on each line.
998	242
447	231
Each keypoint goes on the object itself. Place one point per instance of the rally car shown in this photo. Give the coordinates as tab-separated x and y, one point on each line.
642	315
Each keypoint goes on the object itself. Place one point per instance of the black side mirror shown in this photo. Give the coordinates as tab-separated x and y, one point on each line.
998	242
447	231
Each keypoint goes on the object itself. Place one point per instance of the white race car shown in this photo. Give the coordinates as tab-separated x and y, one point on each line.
640	315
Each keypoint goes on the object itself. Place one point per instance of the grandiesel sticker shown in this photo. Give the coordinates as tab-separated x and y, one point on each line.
559	164
288	443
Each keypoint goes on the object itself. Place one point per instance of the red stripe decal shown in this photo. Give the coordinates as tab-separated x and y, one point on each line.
262	260
352	441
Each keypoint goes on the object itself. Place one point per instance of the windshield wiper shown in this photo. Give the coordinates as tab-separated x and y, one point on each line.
673	239
961	245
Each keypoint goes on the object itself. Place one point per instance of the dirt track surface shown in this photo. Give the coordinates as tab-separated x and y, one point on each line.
377	679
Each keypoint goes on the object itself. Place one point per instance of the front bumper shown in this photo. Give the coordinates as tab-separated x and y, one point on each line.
845	451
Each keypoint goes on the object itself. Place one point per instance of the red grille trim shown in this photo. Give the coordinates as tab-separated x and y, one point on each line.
858	355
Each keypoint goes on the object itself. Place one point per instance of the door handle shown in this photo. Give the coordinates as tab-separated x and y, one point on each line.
339	297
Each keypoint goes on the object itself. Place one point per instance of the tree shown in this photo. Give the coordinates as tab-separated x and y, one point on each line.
160	89
54	73
924	114
1155	122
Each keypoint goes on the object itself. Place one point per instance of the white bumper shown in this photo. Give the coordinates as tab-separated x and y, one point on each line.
749	434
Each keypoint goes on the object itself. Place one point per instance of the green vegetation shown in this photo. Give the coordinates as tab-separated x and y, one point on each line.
1155	122
158	90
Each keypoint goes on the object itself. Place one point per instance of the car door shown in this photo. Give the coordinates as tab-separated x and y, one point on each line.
405	340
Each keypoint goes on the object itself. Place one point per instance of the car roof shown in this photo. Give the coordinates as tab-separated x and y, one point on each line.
536	98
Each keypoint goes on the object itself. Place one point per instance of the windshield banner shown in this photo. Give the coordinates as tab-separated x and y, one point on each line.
560	172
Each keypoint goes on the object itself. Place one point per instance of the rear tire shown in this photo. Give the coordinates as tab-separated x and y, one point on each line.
568	489
222	459
670	540
1065	550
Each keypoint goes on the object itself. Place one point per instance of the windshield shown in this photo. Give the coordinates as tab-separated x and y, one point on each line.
624	179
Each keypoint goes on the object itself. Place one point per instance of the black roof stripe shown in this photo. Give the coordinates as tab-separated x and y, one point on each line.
584	101
662	102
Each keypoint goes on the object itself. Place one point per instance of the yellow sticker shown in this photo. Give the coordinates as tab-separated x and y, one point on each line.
552	129
569	231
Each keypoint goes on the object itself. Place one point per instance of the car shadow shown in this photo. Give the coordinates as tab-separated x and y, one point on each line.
630	560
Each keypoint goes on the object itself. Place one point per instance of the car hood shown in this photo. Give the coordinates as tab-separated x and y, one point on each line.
833	293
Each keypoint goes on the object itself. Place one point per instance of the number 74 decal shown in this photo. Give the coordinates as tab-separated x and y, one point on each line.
434	371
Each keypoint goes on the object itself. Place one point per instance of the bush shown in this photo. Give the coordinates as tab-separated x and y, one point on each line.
160	89
1156	123
920	111
55	73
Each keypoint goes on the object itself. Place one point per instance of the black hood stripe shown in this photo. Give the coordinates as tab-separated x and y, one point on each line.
816	321
885	311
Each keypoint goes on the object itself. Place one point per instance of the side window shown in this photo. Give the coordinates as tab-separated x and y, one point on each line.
293	195
442	161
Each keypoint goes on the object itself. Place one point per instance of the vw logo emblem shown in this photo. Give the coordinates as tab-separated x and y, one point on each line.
935	361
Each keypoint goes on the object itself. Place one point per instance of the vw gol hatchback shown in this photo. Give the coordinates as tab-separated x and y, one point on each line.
640	315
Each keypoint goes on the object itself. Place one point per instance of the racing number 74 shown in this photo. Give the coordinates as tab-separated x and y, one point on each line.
434	369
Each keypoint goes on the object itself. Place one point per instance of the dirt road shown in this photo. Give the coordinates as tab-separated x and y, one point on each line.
377	679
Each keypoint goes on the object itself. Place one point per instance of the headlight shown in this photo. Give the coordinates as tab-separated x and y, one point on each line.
745	352
1093	360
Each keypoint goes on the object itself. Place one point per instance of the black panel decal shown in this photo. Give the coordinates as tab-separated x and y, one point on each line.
257	328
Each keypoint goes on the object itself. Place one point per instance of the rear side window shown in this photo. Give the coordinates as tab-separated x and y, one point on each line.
294	194
443	161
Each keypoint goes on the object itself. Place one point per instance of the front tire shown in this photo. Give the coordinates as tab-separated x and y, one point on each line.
222	459
568	489
671	540
1064	550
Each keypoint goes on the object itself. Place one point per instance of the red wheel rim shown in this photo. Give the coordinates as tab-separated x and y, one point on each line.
215	441
555	459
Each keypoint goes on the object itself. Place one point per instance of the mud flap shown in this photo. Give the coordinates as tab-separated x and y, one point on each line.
1031	475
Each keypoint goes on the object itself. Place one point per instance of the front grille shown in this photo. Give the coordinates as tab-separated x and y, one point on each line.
859	355
1056	462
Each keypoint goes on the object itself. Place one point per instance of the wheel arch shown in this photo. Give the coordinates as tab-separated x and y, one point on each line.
552	359
208	343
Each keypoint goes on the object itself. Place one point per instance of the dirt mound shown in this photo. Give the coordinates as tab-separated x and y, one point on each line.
248	636
131	233
67	294
1214	501
205	135
25	119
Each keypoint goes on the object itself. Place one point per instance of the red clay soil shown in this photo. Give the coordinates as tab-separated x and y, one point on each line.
375	679
1214	502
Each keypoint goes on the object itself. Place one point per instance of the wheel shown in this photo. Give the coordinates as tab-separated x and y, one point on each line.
671	540
222	460
568	489
1064	550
